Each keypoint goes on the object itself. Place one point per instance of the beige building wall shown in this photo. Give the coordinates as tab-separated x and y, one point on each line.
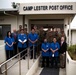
11	20
2	54
47	16
14	21
19	21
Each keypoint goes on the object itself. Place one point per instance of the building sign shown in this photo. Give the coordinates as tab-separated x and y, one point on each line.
48	8
51	7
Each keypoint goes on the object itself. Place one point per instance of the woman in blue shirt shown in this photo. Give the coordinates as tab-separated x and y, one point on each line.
9	41
22	38
54	47
45	53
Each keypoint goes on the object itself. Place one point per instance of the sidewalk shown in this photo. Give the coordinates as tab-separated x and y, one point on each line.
15	69
1	42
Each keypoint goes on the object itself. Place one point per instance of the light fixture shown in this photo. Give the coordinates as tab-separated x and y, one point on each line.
45	29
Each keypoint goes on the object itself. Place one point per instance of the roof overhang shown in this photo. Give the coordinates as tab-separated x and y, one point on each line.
9	11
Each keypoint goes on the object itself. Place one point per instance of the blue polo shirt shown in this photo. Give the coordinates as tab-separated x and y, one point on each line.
9	40
45	46
54	46
32	37
22	37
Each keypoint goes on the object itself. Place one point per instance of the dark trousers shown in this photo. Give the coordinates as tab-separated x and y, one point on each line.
54	61
45	60
9	54
31	50
23	53
15	49
38	50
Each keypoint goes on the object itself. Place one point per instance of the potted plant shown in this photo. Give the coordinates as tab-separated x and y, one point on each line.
71	60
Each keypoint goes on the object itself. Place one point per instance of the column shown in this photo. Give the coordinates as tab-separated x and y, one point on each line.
27	23
69	31
23	21
66	28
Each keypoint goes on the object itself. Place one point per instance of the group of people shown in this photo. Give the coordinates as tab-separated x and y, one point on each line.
20	40
54	51
52	44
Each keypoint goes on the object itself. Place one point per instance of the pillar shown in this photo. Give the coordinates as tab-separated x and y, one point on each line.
66	28
27	23
69	31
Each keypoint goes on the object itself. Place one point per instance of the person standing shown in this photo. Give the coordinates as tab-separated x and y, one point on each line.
26	33
54	47
36	29
14	35
62	50
38	43
22	38
49	36
19	31
41	35
58	34
45	53
33	38
63	34
9	41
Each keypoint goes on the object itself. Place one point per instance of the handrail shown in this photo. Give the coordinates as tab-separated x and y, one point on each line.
5	63
12	58
1	72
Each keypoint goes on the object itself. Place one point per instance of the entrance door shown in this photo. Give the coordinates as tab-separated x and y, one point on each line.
47	23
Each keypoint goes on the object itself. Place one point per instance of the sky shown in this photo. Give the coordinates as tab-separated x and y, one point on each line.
8	4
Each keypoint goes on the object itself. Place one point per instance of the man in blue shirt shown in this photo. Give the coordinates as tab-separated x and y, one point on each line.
33	38
22	38
45	53
54	47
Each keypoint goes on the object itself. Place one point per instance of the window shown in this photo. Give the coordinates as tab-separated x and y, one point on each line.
3	31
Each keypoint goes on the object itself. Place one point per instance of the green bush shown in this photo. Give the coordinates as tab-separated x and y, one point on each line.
72	49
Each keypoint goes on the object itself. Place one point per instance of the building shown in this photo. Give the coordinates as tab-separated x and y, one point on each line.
57	14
